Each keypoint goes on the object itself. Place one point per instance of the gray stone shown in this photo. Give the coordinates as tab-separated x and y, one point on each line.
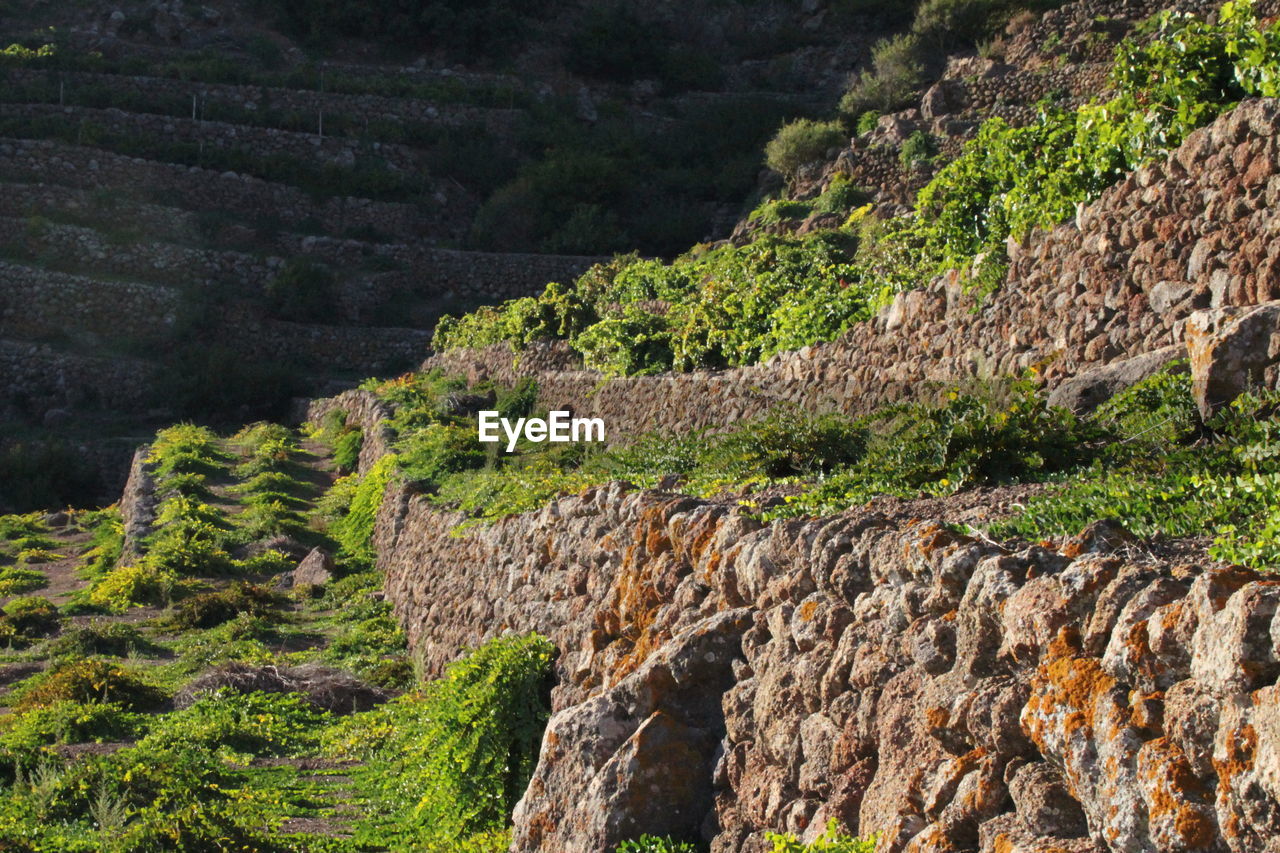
1088	390
316	569
1230	348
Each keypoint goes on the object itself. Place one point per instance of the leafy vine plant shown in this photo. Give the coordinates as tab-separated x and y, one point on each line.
740	305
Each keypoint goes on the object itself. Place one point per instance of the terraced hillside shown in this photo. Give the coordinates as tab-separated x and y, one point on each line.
167	646
198	234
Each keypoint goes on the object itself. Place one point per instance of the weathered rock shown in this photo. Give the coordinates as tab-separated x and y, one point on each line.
138	505
1230	350
316	569
1089	389
638	757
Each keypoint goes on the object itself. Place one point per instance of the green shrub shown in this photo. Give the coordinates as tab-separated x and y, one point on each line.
897	71
654	844
429	454
800	143
969	440
918	148
831	841
89	680
729	306
450	762
16	579
305	291
354	530
347	447
868	121
129	586
841	196
950	23
67	721
113	639
257	724
786	443
1173	477
780	210
186	449
31	616
209	609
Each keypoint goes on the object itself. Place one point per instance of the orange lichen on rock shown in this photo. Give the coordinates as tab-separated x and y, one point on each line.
1178	818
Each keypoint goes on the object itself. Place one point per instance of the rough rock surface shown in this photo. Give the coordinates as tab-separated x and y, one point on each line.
316	569
138	504
1231	349
943	691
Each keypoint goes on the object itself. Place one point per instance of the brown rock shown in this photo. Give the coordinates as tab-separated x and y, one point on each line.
316	569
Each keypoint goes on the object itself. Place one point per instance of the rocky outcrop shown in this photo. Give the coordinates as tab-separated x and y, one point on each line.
946	692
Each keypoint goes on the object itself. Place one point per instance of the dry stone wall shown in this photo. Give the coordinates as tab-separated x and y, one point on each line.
39	380
948	693
36	303
267	100
336	151
1191	232
43	161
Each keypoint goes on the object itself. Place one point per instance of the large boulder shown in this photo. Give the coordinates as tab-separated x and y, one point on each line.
1089	389
638	758
1231	349
316	569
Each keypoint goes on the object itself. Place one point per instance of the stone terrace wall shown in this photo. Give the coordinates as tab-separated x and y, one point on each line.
489	276
53	162
1194	231
161	223
342	348
364	410
337	151
943	691
39	379
167	263
36	303
265	99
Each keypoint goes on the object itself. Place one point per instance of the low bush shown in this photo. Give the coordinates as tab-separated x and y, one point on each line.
26	619
67	721
114	639
186	449
15	580
133	586
897	71
256	724
89	680
800	143
354	530
305	291
919	148
971	439
832	840
209	609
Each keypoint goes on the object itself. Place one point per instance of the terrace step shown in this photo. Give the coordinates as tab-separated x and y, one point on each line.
342	152
253	200
263	106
